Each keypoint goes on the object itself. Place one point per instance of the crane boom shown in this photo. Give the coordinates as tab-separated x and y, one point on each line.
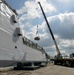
58	51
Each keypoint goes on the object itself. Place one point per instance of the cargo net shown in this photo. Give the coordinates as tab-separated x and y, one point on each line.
37	37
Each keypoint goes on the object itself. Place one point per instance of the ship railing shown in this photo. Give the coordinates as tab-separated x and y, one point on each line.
32	44
41	48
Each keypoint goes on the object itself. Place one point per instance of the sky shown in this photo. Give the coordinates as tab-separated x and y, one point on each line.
60	15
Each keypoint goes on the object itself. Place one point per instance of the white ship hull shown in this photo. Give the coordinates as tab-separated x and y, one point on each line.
12	48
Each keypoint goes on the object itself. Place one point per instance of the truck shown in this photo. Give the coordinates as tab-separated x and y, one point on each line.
58	59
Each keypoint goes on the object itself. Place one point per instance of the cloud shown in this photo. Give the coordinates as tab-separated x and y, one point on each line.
65	1
47	6
67	44
31	9
62	25
67	4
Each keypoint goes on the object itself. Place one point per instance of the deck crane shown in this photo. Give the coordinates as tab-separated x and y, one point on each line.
57	49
